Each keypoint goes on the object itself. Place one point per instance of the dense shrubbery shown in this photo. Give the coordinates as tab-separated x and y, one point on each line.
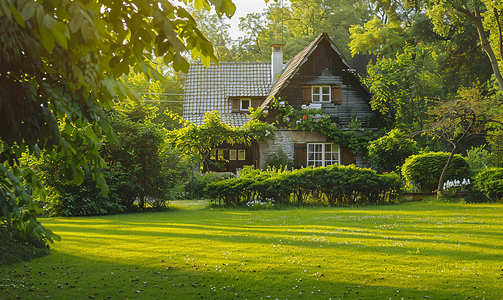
279	160
488	184
424	170
15	248
140	169
333	185
390	151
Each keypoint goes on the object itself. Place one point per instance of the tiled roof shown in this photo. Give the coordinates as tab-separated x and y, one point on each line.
294	65
210	89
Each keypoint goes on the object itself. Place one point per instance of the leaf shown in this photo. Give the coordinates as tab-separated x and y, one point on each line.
48	22
102	185
16	15
79	177
28	10
58	31
47	39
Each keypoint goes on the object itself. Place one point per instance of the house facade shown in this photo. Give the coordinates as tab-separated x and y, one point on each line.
317	77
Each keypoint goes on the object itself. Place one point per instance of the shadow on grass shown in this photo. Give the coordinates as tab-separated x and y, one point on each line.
65	276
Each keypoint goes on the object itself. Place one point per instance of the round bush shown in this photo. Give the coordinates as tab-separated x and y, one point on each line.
490	183
390	151
424	170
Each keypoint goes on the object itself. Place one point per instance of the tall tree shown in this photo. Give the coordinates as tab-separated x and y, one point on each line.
486	15
61	63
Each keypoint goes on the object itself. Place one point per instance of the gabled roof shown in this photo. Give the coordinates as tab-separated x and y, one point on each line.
295	63
210	89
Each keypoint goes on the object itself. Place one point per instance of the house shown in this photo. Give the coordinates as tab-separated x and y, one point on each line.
318	76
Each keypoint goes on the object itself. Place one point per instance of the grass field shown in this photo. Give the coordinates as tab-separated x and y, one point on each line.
410	251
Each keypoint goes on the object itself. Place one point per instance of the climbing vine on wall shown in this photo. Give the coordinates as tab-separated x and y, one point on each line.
356	138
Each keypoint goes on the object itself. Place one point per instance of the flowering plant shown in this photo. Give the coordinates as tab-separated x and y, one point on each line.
451	187
411	187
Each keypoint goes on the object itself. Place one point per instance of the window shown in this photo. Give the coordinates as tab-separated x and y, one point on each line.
232	154
217	154
322	154
321	93
241	155
245	104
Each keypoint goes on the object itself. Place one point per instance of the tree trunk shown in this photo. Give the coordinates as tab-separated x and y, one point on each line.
477	21
440	187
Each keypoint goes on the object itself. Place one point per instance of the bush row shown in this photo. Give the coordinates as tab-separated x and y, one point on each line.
332	185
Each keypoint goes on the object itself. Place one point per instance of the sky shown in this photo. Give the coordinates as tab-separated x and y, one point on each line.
244	7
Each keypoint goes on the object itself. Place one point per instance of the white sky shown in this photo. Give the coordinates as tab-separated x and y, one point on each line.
244	7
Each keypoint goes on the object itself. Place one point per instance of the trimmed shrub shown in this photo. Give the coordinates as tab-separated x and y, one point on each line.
490	183
390	151
424	170
333	185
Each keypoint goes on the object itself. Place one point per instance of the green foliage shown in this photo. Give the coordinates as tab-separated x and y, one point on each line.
490	183
376	37
194	142
401	86
425	169
194	189
60	64
390	151
345	185
479	157
279	160
86	199
16	248
302	21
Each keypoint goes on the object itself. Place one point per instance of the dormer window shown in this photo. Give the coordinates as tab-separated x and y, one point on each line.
244	104
321	93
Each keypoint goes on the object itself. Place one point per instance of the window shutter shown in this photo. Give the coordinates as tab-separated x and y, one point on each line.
306	94
255	103
300	155
347	158
336	94
235	105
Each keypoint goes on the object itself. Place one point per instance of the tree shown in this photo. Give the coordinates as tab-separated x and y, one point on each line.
486	15
61	63
401	86
458	120
196	141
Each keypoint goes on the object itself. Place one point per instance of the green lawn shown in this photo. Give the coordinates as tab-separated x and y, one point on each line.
409	251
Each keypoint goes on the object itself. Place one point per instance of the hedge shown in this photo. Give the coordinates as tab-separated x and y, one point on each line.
424	170
332	185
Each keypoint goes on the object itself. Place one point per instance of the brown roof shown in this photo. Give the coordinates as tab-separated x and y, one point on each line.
294	65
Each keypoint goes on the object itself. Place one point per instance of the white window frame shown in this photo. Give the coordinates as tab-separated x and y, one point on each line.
317	154
232	155
241	154
241	104
320	93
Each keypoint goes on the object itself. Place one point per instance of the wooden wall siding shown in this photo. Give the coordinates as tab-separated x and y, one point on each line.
300	155
347	157
351	104
251	158
323	57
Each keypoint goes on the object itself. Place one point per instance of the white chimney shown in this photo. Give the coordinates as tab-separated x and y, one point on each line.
276	61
